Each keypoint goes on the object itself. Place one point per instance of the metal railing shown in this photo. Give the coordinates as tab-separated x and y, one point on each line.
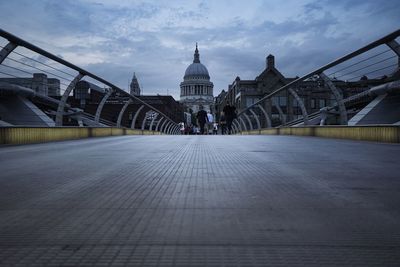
63	69
261	109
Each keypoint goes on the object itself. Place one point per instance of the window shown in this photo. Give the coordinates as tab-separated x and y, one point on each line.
312	104
275	116
297	104
322	103
279	100
282	101
251	100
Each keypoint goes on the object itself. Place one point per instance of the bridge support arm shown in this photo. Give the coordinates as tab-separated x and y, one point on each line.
64	98
176	129
281	114
135	117
171	129
301	104
6	51
238	125
158	123
121	113
235	128
249	121
101	105
163	126
256	118
242	121
144	121
338	98
152	121
166	129
267	118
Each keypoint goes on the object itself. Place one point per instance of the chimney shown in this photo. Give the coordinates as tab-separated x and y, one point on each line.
270	62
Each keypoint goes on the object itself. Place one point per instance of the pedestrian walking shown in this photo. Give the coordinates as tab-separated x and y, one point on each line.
215	128
182	127
210	123
230	115
222	123
201	118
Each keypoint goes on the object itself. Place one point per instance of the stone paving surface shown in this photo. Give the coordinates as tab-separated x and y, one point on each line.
200	201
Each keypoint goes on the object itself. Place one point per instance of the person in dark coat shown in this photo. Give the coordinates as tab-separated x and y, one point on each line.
202	118
222	123
230	115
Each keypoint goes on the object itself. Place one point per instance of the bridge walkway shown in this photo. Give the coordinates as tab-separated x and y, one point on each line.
200	201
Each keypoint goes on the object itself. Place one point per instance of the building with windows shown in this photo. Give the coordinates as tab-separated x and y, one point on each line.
196	88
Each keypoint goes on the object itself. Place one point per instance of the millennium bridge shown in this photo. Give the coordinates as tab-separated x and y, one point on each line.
81	185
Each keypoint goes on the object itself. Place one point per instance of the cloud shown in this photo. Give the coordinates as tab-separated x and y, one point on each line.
156	39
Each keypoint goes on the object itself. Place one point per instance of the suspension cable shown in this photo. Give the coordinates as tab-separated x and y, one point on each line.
373	71
28	65
356	63
44	64
370	65
24	71
9	74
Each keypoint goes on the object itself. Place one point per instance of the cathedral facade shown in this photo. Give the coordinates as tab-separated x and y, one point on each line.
196	88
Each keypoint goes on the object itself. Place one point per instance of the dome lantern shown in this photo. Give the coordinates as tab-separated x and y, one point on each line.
196	58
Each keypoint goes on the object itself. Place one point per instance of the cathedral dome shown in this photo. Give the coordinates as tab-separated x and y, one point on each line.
196	69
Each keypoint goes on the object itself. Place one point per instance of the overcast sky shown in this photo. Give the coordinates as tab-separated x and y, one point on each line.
156	39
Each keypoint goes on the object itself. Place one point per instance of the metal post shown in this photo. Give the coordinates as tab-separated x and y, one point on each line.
144	121
238	125
158	123
267	118
152	121
135	117
6	51
281	114
242	121
171	130
301	104
64	98
338	98
101	105
121	113
235	129
256	118
166	129
248	120
162	126
177	130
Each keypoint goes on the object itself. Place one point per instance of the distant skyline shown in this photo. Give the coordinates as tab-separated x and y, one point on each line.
156	39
